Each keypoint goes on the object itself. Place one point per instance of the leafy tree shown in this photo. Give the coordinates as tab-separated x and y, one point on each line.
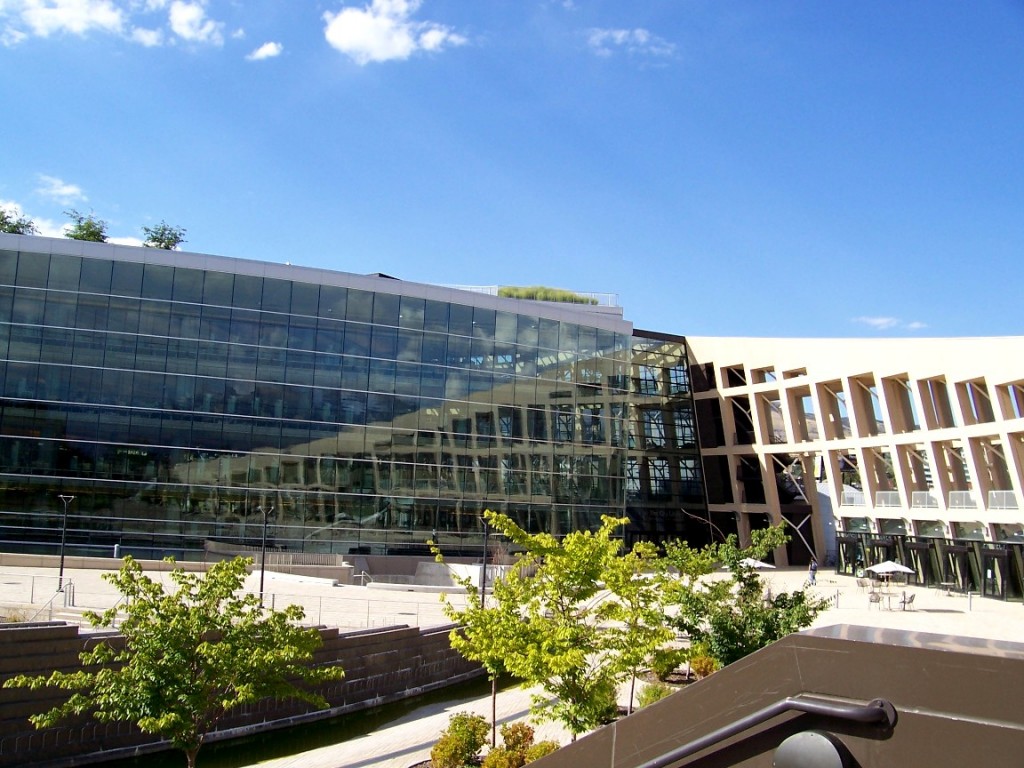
188	657
549	622
483	636
637	611
13	224
734	617
86	227
164	236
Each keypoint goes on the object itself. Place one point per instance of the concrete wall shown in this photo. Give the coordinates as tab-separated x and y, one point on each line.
381	666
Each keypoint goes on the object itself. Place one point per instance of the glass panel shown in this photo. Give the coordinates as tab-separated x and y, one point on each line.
218	288
248	292
360	306
332	302
435	316
305	298
385	309
65	272
460	320
126	279
32	271
277	295
8	267
188	285
158	282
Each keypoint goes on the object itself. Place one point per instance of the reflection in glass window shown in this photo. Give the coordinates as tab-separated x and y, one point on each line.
654	428
690	477
678	379
686	430
564	423
647	380
661	483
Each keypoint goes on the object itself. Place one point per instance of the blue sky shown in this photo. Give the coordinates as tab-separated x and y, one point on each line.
842	168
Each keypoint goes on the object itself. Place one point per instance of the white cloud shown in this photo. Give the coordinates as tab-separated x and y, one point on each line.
189	22
149	38
47	17
125	241
640	42
266	51
889	323
186	19
385	31
60	191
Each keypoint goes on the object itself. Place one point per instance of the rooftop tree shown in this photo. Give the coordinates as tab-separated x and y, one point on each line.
163	236
189	656
13	223
86	227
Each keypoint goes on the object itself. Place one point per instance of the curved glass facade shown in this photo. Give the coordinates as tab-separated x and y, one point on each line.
178	398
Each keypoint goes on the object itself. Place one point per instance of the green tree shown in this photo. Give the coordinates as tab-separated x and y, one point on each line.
164	236
484	633
13	224
188	656
86	227
638	628
734	616
549	623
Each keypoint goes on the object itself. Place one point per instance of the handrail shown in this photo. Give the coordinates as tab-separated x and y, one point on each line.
875	711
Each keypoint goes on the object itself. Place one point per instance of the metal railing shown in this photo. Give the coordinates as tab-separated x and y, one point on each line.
1002	500
923	500
962	500
887	499
879	711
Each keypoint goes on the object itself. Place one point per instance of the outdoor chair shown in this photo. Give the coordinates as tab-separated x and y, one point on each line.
875	598
907	602
863	584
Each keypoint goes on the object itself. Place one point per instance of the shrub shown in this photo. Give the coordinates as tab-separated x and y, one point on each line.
541	748
518	737
503	757
652	693
666	661
703	665
460	741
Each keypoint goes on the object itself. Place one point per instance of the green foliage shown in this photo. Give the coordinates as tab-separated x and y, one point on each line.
540	749
653	692
503	757
188	657
460	742
734	617
665	661
163	236
86	227
543	293
13	224
517	736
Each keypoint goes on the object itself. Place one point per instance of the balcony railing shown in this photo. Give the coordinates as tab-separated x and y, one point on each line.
1002	500
962	500
923	500
887	499
854	499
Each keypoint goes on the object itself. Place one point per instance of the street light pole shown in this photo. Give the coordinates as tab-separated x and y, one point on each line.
63	537
483	571
263	556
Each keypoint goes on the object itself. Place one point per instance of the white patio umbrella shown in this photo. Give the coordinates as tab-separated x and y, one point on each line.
750	562
889	567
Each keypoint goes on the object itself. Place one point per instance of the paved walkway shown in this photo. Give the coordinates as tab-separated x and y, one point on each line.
407	741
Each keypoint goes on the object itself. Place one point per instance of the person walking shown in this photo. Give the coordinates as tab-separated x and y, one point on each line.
812	572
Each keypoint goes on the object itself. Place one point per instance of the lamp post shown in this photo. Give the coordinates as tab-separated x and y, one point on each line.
263	555
63	537
483	570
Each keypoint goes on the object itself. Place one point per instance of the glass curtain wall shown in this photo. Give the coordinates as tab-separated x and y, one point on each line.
182	406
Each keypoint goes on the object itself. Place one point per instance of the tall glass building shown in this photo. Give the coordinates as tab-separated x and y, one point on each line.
181	399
